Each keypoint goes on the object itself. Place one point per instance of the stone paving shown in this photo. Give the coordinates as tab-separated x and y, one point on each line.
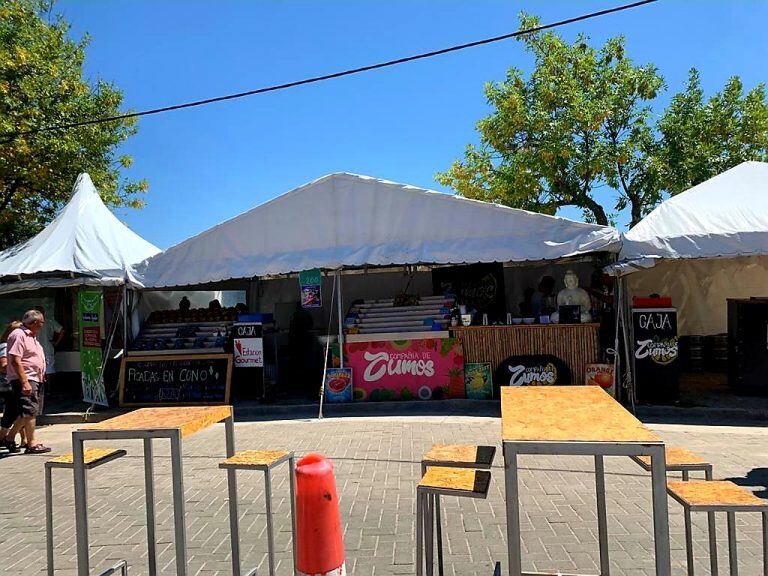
377	467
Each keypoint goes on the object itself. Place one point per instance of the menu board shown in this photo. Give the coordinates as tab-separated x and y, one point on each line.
175	380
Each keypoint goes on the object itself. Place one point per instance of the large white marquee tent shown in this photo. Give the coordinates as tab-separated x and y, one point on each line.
703	246
346	220
84	245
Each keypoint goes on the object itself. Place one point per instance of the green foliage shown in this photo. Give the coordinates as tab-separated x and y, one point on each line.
702	138
42	83
581	120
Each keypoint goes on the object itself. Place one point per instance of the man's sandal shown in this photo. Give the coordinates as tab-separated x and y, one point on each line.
37	449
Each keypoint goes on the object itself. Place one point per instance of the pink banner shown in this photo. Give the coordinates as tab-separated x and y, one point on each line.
406	369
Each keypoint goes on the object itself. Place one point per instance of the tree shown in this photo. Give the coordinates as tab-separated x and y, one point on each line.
42	84
579	121
700	139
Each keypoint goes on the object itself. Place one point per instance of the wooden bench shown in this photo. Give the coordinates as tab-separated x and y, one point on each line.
458	456
92	457
721	496
682	460
263	460
442	481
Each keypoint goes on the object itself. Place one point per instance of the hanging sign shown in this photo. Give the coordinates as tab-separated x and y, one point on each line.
603	375
248	345
310	282
89	303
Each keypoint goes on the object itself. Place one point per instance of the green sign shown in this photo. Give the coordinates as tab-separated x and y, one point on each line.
89	315
310	282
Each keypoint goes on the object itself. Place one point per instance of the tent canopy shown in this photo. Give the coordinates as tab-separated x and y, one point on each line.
347	220
84	244
726	216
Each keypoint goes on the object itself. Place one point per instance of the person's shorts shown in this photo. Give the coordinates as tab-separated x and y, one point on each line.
27	404
10	410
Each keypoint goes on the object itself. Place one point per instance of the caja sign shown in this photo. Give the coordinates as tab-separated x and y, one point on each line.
248	345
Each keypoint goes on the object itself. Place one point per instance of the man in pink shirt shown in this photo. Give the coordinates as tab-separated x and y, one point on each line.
25	372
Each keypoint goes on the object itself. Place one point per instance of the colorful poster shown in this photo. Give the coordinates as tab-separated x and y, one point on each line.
431	368
338	385
603	375
310	282
478	381
89	304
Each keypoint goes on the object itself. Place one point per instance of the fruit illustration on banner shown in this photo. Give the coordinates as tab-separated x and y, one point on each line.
602	375
478	380
338	385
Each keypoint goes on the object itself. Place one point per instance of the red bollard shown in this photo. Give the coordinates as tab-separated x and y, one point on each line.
319	542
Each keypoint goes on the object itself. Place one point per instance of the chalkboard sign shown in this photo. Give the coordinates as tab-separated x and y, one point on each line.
479	286
175	380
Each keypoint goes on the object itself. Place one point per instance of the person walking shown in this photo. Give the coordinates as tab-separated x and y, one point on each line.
10	409
50	337
26	371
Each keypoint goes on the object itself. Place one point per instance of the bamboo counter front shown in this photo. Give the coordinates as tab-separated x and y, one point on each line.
575	344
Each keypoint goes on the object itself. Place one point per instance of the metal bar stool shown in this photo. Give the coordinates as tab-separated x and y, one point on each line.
454	456
263	460
92	457
721	496
447	481
684	461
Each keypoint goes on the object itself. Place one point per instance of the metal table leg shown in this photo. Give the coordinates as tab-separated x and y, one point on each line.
688	532
177	473
660	510
419	533
733	560
712	532
292	485
270	534
149	489
513	510
439	531
234	520
81	506
765	542
429	535
602	516
49	518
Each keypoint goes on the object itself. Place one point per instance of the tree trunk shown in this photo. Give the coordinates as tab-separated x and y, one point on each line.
597	211
637	213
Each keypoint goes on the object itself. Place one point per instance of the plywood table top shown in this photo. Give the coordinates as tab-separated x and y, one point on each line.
461	481
187	419
92	457
676	459
257	459
460	455
567	414
715	495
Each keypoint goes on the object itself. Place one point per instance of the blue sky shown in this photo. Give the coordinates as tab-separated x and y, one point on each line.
404	124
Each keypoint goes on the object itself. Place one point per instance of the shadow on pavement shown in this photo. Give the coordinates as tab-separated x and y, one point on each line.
755	477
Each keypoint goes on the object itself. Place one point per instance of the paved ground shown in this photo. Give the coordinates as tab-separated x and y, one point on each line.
377	468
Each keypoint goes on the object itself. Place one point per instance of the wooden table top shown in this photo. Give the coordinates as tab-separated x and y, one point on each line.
187	419
567	414
703	494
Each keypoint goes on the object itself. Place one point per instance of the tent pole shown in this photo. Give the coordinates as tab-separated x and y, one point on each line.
125	318
339	307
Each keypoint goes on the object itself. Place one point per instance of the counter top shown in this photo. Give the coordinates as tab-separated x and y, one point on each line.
515	326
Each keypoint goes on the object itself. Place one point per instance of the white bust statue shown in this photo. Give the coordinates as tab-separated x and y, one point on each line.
572	295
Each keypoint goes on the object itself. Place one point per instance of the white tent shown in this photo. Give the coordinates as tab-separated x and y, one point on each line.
347	220
703	246
84	245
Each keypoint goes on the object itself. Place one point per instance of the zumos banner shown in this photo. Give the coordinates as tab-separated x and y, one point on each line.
89	314
432	368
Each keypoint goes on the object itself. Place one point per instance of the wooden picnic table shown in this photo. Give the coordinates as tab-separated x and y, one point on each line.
578	420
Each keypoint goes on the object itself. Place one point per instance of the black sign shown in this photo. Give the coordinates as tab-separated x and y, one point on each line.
655	349
479	286
247	329
175	380
532	370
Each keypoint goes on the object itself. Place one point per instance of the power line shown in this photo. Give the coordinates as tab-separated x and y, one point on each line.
315	79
